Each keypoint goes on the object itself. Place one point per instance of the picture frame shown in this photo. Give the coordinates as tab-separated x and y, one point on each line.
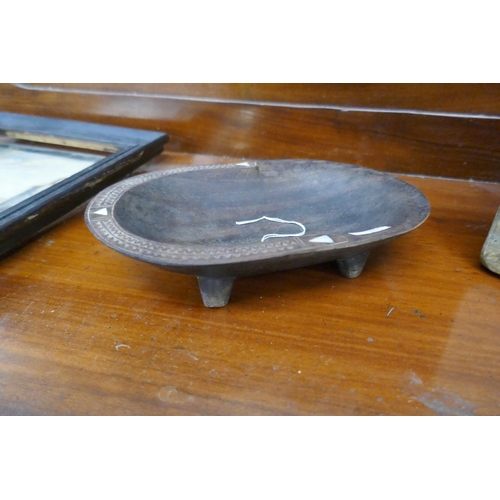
105	153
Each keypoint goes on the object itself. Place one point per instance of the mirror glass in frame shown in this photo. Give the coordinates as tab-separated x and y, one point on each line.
27	169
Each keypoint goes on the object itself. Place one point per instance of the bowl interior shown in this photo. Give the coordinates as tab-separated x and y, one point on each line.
201	207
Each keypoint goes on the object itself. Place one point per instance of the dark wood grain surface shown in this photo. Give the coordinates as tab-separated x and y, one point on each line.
85	330
419	129
468	98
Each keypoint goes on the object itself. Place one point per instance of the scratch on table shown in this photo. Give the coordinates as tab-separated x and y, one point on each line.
390	310
28	306
122	345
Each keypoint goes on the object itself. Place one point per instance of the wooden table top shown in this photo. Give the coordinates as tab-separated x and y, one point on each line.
87	331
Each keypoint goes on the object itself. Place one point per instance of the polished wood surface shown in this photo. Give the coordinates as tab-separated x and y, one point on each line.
432	130
469	98
85	330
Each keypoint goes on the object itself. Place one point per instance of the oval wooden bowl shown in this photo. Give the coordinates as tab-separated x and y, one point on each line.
216	221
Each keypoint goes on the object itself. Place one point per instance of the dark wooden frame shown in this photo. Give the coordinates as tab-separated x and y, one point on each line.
127	148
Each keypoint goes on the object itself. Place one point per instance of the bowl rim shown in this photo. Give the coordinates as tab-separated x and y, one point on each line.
99	217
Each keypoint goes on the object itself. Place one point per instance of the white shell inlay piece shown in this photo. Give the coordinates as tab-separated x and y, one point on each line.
322	239
103	211
274	219
244	164
370	231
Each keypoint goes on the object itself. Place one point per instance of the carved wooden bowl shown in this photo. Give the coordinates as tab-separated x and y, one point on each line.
220	222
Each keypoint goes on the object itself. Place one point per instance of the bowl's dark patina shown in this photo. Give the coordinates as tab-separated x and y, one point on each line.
204	220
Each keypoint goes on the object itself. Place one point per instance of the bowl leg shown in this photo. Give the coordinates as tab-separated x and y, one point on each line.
351	267
215	292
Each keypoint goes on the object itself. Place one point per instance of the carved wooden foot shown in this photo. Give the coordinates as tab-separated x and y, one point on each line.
215	292
351	267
